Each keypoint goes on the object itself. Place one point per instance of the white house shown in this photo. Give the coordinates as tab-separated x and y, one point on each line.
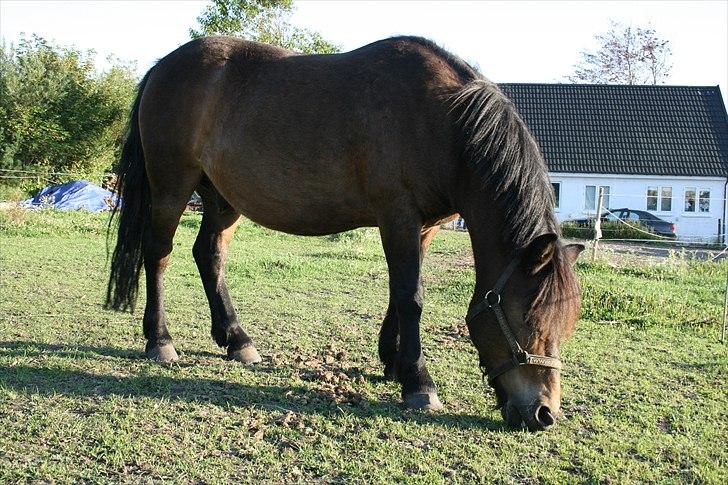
661	149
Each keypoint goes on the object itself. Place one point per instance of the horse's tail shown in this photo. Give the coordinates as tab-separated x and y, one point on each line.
134	211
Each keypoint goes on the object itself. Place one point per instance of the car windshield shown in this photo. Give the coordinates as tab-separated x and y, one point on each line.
609	216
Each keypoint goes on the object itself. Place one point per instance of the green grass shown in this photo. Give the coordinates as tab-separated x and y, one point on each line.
644	395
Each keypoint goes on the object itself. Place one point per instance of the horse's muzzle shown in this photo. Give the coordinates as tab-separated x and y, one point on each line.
534	417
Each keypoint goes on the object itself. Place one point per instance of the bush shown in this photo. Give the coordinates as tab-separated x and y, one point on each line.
610	230
58	114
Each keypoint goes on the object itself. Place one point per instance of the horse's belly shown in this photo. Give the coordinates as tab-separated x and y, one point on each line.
305	221
296	205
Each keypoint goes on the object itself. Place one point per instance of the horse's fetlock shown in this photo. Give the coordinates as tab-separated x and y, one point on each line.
220	335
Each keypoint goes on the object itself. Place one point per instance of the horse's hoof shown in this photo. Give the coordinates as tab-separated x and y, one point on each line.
163	353
427	401
246	355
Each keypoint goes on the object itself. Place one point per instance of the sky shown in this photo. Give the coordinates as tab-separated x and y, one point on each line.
516	41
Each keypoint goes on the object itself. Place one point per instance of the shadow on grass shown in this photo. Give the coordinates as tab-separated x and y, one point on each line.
54	380
66	350
26	348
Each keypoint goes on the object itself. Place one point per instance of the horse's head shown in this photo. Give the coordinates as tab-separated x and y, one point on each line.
518	326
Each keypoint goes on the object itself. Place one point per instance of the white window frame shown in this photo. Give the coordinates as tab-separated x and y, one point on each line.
660	198
697	212
557	197
697	200
656	197
605	202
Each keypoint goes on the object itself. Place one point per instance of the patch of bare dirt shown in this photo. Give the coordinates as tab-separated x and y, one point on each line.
330	372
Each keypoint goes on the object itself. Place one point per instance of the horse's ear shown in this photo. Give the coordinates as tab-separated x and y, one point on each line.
572	252
539	252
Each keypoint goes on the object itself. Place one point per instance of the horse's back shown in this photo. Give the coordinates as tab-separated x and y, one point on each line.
287	137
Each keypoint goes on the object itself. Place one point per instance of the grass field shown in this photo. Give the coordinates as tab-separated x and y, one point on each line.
644	396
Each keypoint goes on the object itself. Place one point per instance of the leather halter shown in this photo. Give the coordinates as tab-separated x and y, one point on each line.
519	356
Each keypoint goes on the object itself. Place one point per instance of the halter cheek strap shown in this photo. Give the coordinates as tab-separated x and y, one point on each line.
519	356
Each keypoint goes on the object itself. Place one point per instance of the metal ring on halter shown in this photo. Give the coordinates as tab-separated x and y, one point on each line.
492	303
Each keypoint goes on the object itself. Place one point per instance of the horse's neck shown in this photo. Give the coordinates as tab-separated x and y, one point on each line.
487	229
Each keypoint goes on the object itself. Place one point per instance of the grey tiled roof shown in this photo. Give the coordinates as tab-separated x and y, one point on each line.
610	129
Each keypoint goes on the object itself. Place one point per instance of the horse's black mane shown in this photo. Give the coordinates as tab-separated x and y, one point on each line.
499	148
497	145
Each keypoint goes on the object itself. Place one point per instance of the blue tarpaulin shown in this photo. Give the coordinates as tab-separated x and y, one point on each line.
75	195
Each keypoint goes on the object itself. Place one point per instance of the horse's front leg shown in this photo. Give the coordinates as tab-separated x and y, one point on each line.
389	333
401	241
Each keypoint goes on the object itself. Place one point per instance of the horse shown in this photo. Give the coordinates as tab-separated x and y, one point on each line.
399	134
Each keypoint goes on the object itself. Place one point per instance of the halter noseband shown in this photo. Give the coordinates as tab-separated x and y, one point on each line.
519	356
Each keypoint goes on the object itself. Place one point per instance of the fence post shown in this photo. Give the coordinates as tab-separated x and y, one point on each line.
725	311
598	224
721	231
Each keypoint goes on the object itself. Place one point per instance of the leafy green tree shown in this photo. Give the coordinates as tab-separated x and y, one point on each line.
265	21
626	55
57	113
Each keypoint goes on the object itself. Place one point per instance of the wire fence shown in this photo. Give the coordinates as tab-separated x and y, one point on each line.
19	174
45	176
41	173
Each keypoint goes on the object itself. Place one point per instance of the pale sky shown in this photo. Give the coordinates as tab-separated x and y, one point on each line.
508	41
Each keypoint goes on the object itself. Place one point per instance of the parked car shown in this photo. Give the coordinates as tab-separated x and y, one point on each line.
651	221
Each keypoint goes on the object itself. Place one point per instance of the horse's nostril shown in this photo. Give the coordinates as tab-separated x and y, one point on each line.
544	417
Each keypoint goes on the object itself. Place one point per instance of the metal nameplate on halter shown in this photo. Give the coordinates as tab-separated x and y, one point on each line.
543	361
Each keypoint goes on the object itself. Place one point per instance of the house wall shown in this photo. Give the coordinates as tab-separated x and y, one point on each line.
631	192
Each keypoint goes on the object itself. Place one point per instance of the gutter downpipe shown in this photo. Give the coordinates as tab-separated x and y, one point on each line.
725	187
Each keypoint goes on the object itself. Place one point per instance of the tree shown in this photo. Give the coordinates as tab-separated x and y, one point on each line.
266	21
626	55
57	113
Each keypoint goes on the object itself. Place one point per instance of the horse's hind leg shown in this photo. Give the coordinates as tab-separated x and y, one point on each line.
389	333
169	198
219	221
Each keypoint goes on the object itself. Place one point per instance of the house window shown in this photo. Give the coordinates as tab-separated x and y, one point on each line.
556	186
666	199
651	198
690	199
704	200
659	197
697	200
605	190
590	197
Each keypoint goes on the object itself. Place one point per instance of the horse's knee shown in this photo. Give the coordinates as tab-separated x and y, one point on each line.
201	251
207	256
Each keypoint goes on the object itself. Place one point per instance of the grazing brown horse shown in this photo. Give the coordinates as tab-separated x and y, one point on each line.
398	134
